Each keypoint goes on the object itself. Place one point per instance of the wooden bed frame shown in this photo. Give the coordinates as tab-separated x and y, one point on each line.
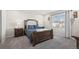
38	37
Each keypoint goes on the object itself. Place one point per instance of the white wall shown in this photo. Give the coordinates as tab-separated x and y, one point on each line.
0	26
75	27
68	25
47	23
13	16
3	26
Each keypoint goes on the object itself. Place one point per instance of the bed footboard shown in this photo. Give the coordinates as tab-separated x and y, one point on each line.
38	37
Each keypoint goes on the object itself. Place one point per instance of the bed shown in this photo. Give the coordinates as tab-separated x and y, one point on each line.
35	33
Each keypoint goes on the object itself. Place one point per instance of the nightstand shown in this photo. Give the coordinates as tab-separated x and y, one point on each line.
18	32
77	41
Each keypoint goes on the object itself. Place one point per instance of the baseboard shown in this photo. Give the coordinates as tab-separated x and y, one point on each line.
9	36
68	37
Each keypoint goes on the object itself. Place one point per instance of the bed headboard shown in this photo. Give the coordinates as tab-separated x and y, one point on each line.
30	22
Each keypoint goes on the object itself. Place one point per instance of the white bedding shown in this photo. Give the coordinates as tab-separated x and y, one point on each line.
39	30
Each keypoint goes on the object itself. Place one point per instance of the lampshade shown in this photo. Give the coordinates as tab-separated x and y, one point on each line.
75	14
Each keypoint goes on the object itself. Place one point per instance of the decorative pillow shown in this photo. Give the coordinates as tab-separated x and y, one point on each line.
40	27
31	26
36	26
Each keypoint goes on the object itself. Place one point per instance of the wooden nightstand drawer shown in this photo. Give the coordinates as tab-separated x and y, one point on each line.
19	32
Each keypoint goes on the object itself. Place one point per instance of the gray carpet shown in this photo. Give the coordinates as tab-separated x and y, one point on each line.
23	43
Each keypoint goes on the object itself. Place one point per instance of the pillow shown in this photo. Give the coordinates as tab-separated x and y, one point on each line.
35	26
40	27
31	26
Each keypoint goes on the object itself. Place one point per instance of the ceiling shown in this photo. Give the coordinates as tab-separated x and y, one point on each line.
37	12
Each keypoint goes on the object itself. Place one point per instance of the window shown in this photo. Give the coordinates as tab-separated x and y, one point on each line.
58	24
58	20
